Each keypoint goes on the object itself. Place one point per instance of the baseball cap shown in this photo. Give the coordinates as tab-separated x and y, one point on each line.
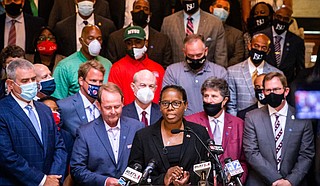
134	32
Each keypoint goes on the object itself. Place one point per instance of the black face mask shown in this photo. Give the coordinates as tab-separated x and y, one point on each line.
13	9
190	7
260	96
212	109
280	26
261	22
274	100
257	56
140	18
195	64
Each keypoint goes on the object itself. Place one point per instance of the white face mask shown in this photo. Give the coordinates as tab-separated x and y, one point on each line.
28	91
94	47
85	8
221	13
139	52
145	95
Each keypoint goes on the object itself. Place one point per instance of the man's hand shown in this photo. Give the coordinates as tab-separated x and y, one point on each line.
112	182
281	182
52	180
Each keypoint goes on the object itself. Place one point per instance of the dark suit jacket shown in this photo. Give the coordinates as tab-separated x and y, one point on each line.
32	26
260	150
44	8
159	10
235	45
242	113
67	40
130	111
64	8
231	139
147	145
24	159
159	48
73	114
293	52
92	160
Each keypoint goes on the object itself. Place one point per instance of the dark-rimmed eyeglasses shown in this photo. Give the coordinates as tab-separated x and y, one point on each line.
174	104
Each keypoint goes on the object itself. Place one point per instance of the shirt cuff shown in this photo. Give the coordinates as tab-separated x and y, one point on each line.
105	182
43	180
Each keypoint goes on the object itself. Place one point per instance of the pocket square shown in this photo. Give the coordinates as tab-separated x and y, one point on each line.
209	39
129	146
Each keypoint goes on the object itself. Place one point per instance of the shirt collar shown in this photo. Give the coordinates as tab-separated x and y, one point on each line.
282	112
274	33
252	67
21	103
19	19
80	20
86	102
139	109
196	15
108	126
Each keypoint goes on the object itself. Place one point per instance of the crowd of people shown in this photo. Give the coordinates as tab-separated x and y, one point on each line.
93	89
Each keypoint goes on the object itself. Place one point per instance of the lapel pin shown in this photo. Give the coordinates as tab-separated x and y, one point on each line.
124	137
227	133
288	44
292	117
207	128
129	146
290	130
188	135
83	117
99	24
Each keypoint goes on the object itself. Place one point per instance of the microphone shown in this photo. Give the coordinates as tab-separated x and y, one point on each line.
215	149
234	169
202	170
131	175
148	170
177	131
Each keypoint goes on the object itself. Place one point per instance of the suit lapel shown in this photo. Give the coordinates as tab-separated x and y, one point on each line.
272	57
78	105
287	131
181	25
44	126
124	131
285	48
157	141
150	41
247	77
103	136
186	141
268	129
226	131
204	119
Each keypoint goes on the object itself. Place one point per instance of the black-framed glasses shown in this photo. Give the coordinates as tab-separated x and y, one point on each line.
174	104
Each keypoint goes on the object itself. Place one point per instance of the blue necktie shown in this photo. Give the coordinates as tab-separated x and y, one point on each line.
34	121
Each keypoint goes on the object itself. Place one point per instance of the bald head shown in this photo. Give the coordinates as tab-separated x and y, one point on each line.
90	28
144	74
42	72
258	82
260	42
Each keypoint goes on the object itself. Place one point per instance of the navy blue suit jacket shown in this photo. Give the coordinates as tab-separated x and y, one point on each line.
92	160
73	114
23	158
131	112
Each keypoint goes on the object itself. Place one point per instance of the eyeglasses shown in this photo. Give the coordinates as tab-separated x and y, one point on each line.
174	104
49	38
274	90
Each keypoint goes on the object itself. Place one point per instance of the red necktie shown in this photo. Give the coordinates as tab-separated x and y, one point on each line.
144	118
12	33
189	29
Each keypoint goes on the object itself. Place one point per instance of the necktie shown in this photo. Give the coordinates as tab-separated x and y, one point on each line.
12	33
34	121
34	8
277	49
216	133
189	29
85	22
92	112
254	75
278	139
144	118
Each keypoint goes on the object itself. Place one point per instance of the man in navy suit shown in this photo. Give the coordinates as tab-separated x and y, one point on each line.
81	108
102	147
32	151
142	108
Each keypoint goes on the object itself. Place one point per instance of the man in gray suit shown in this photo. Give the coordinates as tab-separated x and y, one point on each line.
178	24
242	75
102	147
278	147
193	71
81	108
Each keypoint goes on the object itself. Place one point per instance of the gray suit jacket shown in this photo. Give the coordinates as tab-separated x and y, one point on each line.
92	160
259	148
235	45
210	28
241	88
73	114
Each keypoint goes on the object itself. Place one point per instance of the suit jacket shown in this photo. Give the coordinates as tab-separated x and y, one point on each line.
44	8
293	51
231	139
64	8
67	40
159	10
240	85
130	111
210	28
242	113
32	26
159	48
147	145
235	45
260	151
24	158
92	160
73	114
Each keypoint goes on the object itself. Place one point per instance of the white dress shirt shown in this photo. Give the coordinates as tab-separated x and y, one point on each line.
195	21
220	122
139	111
86	105
20	31
282	117
127	13
252	67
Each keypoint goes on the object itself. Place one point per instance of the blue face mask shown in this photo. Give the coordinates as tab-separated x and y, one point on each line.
93	90
28	91
47	86
221	13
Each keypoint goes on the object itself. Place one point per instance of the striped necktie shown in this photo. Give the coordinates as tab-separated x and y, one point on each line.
278	139
34	121
277	50
189	29
12	33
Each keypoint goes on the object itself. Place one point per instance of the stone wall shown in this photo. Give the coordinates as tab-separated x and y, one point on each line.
306	8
